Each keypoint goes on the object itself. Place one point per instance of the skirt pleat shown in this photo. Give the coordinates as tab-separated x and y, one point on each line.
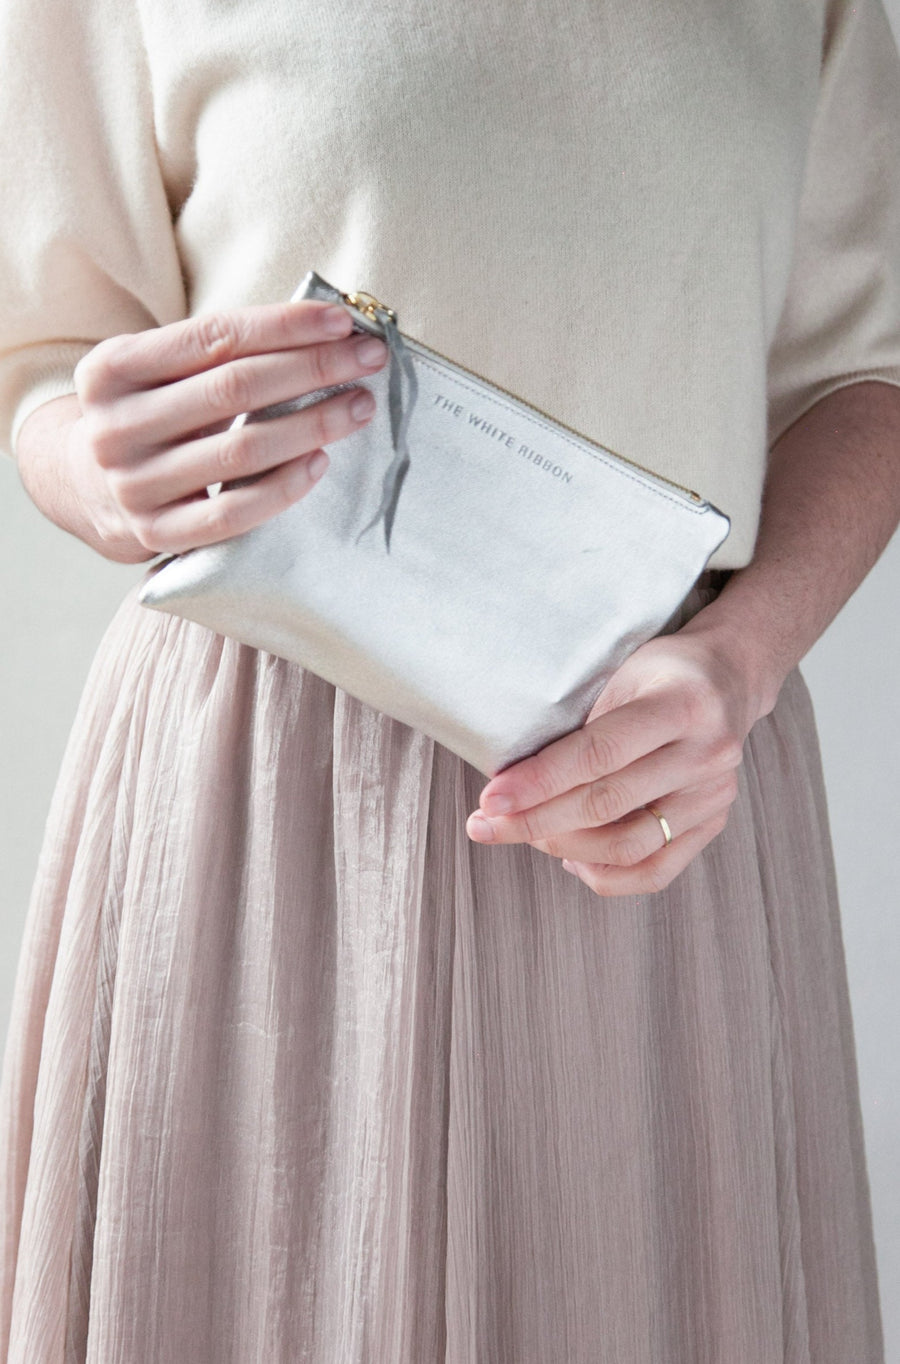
297	1072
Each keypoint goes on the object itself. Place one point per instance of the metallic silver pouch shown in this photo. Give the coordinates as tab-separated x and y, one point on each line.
467	564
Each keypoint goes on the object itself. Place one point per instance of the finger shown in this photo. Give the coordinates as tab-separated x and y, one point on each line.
669	768
600	747
147	421
160	355
655	872
206	520
639	834
240	452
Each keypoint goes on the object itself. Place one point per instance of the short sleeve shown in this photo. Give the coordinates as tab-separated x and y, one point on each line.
87	243
840	322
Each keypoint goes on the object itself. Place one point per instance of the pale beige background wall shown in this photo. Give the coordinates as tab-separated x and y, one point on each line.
56	598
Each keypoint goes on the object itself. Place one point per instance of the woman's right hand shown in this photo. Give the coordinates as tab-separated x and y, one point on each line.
156	405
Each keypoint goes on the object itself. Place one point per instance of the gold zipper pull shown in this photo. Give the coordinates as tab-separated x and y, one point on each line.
367	304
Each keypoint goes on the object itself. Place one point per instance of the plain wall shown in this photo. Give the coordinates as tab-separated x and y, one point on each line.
58	596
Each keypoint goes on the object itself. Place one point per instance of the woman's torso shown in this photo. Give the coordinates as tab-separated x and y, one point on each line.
593	206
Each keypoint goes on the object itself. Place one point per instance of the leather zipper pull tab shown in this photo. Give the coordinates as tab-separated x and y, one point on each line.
401	366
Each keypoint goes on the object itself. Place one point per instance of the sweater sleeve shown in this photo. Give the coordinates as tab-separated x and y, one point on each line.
840	322
87	246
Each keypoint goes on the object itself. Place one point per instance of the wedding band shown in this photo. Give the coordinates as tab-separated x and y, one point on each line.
663	824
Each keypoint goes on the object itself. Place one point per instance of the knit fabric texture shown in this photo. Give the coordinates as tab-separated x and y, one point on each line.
673	227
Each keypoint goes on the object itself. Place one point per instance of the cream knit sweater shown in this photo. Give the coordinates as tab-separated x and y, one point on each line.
672	224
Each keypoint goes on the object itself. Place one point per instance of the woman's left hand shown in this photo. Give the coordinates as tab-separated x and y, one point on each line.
668	730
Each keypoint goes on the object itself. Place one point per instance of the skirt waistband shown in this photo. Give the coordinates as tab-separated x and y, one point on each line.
705	590
715	578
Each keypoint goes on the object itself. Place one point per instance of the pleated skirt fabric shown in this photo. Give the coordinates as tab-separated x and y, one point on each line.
296	1072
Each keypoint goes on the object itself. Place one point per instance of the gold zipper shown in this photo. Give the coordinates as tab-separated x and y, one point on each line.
367	304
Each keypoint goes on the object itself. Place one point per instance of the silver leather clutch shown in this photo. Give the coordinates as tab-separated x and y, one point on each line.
467	565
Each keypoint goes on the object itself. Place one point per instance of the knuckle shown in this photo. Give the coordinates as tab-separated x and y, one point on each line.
216	336
106	436
228	390
702	701
690	707
95	371
529	826
600	753
320	360
625	850
720	718
544	780
127	491
232	454
726	752
706	708
219	517
694	703
293	481
145	525
81	374
282	321
329	421
592	880
86	379
606	801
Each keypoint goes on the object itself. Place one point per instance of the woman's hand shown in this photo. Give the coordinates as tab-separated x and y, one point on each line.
668	729
156	405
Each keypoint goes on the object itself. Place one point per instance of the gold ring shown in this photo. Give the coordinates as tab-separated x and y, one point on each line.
667	832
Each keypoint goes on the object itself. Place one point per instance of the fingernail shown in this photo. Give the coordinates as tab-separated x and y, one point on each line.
362	405
371	351
317	465
497	805
479	829
567	866
336	320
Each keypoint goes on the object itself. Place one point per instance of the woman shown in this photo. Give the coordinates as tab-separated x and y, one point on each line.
303	1065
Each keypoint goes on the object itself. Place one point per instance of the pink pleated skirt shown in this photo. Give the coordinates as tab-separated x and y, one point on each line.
296	1072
